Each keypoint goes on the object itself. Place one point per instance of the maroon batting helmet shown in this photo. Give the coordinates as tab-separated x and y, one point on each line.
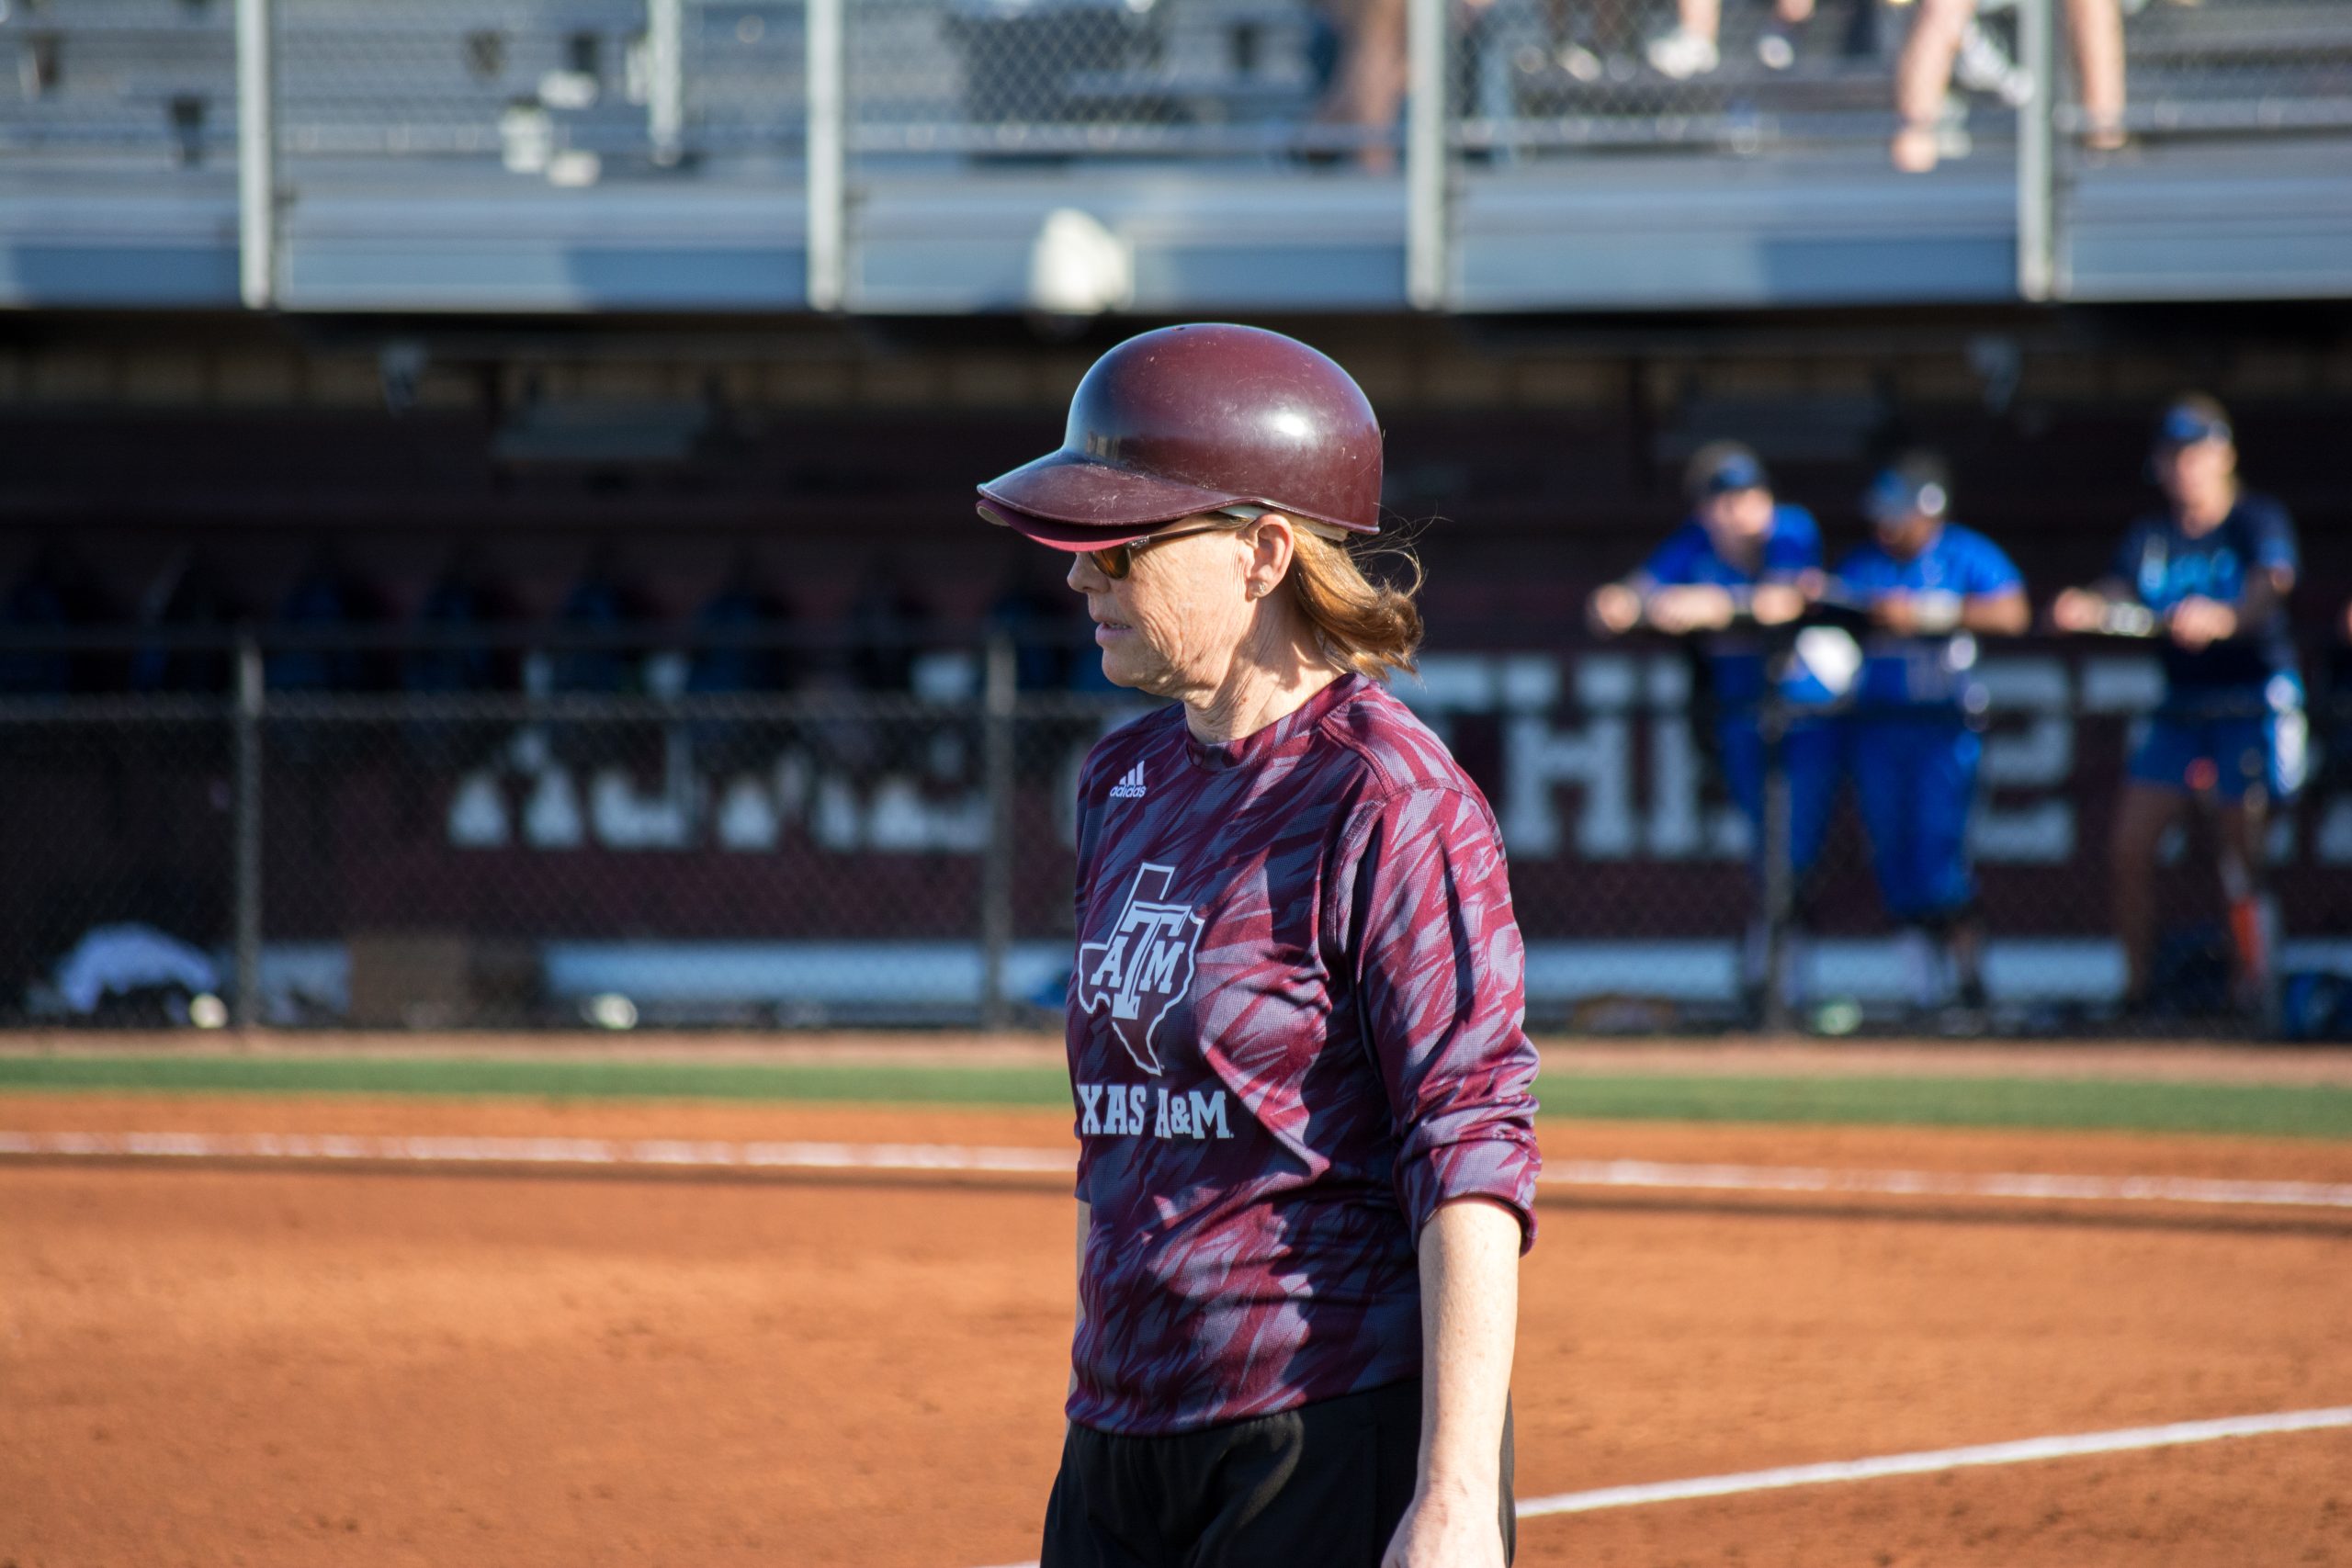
1188	420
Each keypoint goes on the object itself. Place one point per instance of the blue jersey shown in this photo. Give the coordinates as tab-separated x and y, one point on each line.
2163	566
1925	669
1736	659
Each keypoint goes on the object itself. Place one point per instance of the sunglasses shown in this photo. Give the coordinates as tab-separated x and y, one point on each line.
1115	561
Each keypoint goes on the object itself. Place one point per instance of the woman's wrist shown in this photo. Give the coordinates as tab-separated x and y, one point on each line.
1465	1484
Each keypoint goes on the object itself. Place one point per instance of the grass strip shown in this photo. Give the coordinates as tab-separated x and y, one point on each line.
555	1080
2077	1104
2259	1110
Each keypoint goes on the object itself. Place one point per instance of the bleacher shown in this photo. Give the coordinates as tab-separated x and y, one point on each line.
2250	65
1176	122
133	83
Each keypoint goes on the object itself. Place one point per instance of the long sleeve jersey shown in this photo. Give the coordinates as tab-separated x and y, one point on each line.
1296	1030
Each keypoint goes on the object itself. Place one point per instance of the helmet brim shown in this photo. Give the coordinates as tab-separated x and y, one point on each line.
1076	503
1060	535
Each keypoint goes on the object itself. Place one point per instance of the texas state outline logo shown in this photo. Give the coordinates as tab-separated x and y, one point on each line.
1144	967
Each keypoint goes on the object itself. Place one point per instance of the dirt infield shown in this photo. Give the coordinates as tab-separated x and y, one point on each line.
283	1366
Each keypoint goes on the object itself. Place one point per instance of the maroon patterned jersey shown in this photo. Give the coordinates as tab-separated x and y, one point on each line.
1295	1031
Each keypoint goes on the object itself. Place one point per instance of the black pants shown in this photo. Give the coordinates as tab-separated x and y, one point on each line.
1321	1486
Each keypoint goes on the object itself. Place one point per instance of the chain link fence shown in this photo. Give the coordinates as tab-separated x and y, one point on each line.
537	87
2249	66
1656	896
1751	76
568	92
1740	75
274	850
749	860
119	838
273	833
1029	79
127	84
545	89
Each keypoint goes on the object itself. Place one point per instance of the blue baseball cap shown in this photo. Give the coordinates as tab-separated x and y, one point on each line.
1903	490
2191	420
1721	468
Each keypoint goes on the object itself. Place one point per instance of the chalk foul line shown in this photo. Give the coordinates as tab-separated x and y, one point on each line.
2024	1451
2129	1439
1634	1173
709	1154
698	1154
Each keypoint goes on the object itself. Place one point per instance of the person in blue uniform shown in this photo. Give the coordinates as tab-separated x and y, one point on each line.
1929	586
1740	564
2210	575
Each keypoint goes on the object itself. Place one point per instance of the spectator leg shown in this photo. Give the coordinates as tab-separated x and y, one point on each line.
2239	829
1883	792
1923	79
1812	751
2096	27
2140	818
1964	940
1947	771
1739	752
1947	883
1369	84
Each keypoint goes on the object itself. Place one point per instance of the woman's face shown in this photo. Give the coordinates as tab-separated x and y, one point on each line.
1905	535
1737	520
2198	475
1173	624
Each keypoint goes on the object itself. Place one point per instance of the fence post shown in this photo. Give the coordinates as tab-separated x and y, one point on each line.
999	694
665	98
1780	874
1426	218
2037	179
828	221
256	155
247	851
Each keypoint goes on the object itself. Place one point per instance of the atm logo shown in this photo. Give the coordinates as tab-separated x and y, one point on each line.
1144	967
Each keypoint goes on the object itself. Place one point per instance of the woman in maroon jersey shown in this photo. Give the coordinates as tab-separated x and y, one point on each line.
1302	1086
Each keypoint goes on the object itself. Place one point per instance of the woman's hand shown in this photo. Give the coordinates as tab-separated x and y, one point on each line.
1699	607
1615	609
2197	622
1442	1532
2078	610
1777	604
1897	611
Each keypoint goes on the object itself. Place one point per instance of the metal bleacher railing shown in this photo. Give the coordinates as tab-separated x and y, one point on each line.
1541	75
138	82
543	88
2254	67
836	101
296	828
988	78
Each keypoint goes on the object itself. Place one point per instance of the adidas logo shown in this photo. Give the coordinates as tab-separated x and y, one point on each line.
1131	787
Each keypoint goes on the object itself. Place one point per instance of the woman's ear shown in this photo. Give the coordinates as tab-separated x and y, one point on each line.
1273	543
